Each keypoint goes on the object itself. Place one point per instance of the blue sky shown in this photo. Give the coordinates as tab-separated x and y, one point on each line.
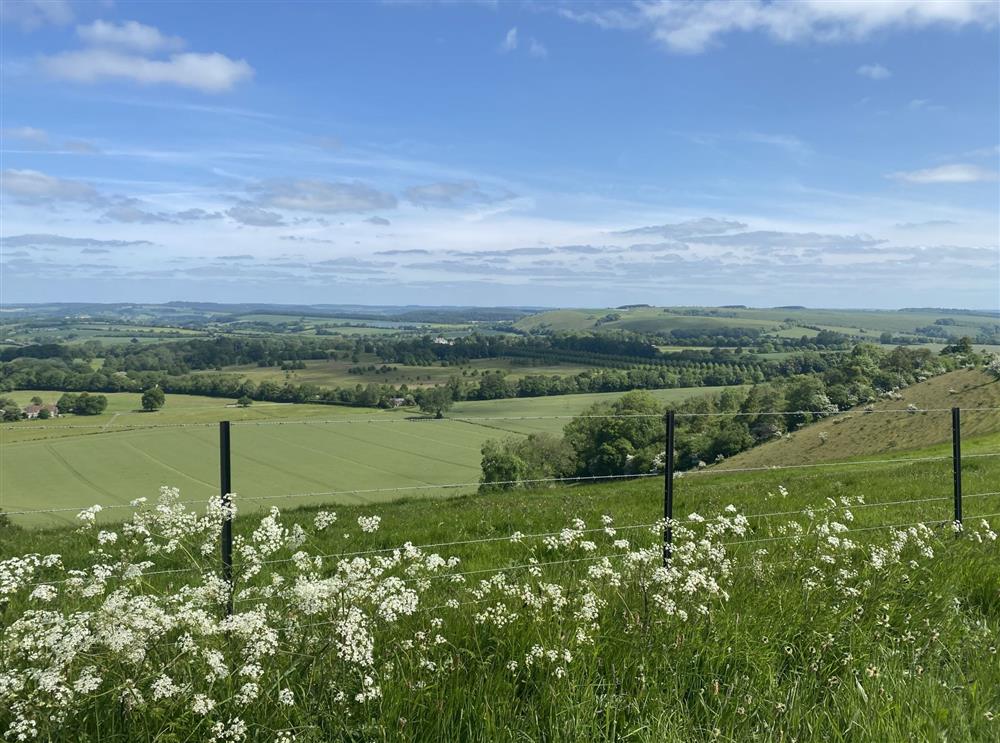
557	153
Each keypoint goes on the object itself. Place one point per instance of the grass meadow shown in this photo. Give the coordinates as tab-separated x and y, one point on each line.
789	613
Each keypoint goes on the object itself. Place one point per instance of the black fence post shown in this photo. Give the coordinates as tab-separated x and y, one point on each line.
956	461
668	488
226	488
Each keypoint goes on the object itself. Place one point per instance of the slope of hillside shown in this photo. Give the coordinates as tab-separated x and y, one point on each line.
859	434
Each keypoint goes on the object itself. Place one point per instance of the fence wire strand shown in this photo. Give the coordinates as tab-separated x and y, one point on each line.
538	564
536	481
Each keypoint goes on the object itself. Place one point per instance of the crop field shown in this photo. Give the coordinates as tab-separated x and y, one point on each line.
799	605
277	449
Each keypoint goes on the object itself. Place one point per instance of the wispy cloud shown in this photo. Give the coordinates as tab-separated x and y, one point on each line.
64	241
27	134
874	72
954	173
132	214
925	224
33	14
510	41
254	216
693	27
35	187
122	52
129	35
209	73
687	229
537	48
325	197
451	194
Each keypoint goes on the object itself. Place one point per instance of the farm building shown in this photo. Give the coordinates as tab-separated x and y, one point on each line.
32	411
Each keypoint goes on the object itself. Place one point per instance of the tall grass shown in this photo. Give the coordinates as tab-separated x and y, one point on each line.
828	630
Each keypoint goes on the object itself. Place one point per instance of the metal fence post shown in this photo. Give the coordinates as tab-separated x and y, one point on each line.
956	461
226	488
668	488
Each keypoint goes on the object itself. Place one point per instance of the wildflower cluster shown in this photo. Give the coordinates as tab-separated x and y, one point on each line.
141	635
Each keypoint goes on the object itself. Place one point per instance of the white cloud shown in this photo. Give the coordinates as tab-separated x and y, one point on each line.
209	73
130	35
131	214
34	187
692	26
255	216
509	42
321	196
874	71
452	194
955	173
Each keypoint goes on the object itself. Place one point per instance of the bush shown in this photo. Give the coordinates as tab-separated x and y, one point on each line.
604	445
87	404
508	464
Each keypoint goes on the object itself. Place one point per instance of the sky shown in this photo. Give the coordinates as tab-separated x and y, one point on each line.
825	153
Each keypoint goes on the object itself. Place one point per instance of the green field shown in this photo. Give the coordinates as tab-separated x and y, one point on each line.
55	464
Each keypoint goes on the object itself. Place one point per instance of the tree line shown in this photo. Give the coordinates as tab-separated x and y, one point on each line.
627	436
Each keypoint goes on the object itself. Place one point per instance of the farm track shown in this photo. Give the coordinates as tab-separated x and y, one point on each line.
437	441
79	475
409	452
324	485
165	465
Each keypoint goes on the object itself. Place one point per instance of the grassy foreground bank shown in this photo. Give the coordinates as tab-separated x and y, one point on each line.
803	619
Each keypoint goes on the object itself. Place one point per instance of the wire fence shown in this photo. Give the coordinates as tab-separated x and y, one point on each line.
669	474
402	489
701	471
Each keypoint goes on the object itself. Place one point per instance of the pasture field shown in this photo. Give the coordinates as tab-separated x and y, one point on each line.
277	449
836	628
334	373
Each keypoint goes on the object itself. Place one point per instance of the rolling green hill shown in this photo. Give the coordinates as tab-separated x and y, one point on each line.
864	323
857	434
